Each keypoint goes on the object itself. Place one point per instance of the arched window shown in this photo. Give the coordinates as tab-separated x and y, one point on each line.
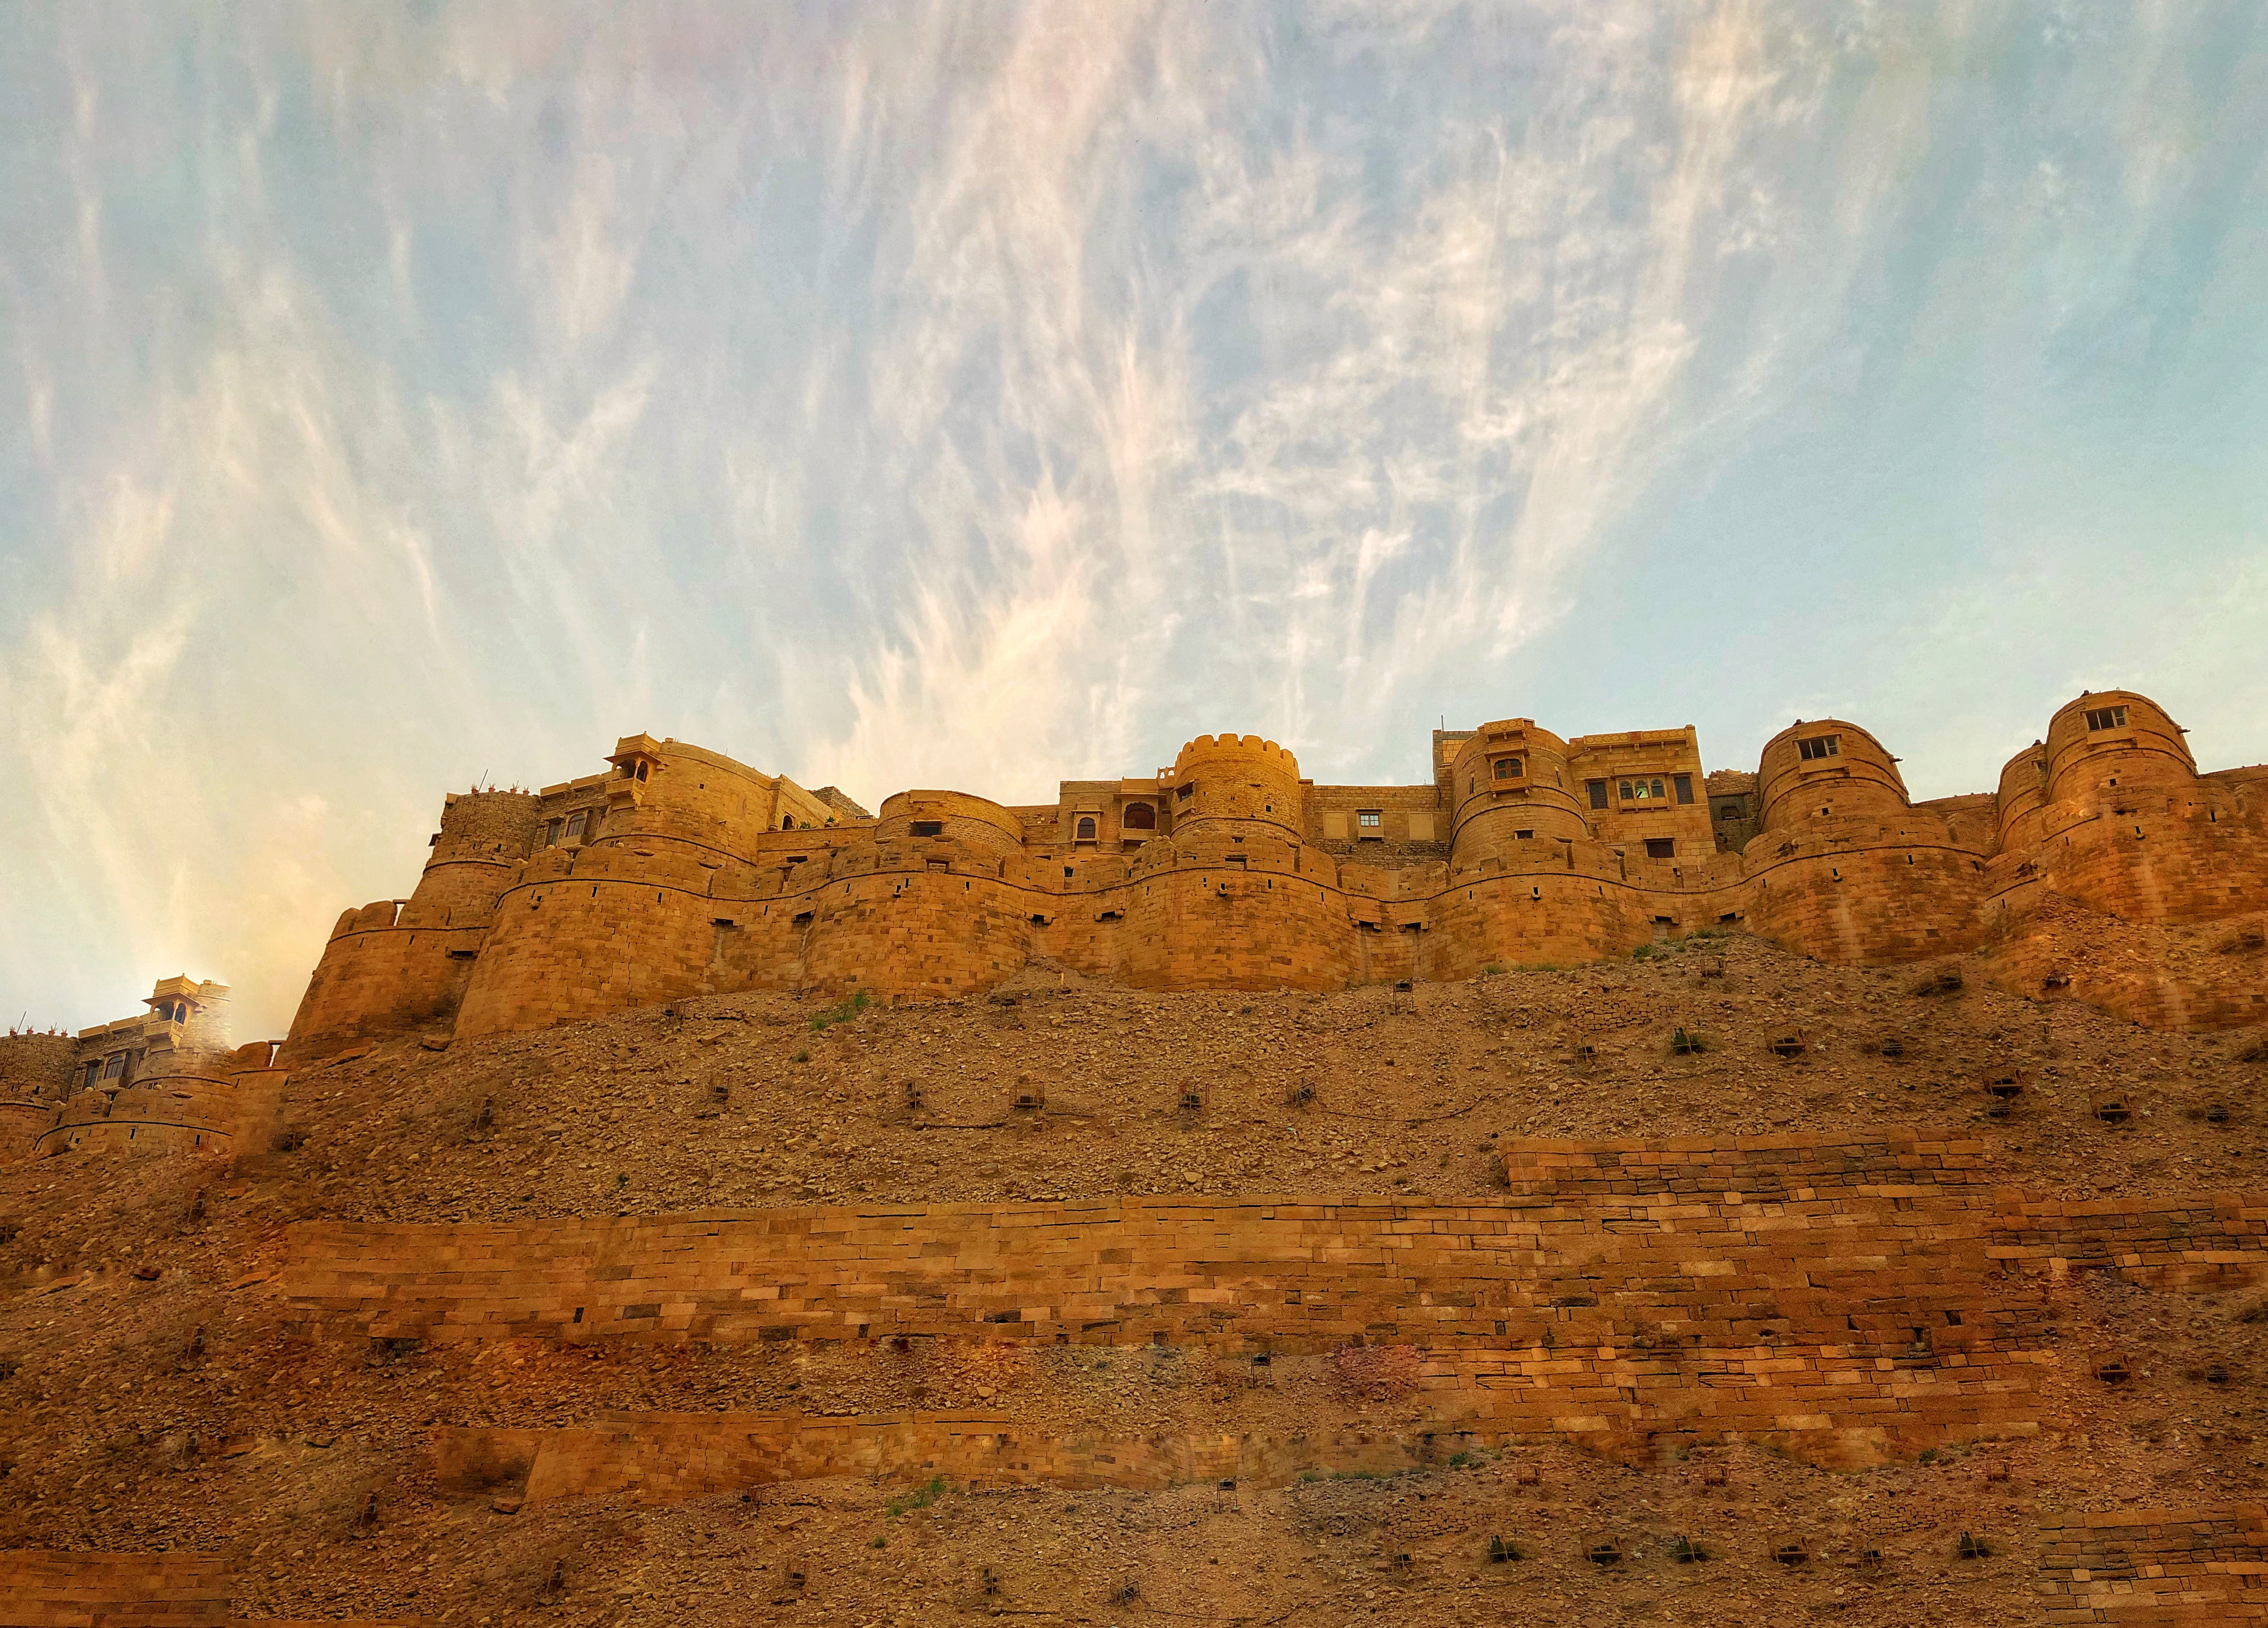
1507	769
1141	817
1087	828
787	822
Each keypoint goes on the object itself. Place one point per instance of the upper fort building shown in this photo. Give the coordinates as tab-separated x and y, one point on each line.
680	872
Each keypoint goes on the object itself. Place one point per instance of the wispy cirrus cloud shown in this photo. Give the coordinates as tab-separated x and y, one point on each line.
983	396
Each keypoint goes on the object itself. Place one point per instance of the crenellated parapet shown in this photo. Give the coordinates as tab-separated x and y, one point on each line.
679	872
1235	778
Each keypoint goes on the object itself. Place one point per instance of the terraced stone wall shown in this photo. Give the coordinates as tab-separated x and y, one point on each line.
1845	1300
2156	1568
52	1588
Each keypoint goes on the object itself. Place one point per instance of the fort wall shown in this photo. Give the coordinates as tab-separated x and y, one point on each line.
88	1588
214	1108
1857	1253
33	1066
1250	1275
680	872
400	965
2155	1568
1844	1301
57	1589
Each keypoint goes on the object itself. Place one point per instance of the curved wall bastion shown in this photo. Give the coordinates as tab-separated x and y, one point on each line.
168	1080
678	871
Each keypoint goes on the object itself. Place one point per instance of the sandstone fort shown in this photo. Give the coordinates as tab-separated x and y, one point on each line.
679	872
1586	1187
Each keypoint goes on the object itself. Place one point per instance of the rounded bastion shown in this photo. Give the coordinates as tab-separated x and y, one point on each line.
1235	778
1827	769
975	824
2021	798
2105	745
1511	783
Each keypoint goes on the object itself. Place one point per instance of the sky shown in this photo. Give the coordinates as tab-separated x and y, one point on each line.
395	397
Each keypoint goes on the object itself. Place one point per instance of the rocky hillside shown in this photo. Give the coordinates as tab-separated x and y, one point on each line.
172	1383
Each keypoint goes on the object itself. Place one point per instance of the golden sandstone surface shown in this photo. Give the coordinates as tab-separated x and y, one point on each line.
1219	1213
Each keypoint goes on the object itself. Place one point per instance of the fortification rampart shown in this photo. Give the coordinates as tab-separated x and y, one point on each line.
33	1066
1844	1301
2155	1568
1252	1275
88	1588
1264	1276
57	1589
213	1107
681	872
